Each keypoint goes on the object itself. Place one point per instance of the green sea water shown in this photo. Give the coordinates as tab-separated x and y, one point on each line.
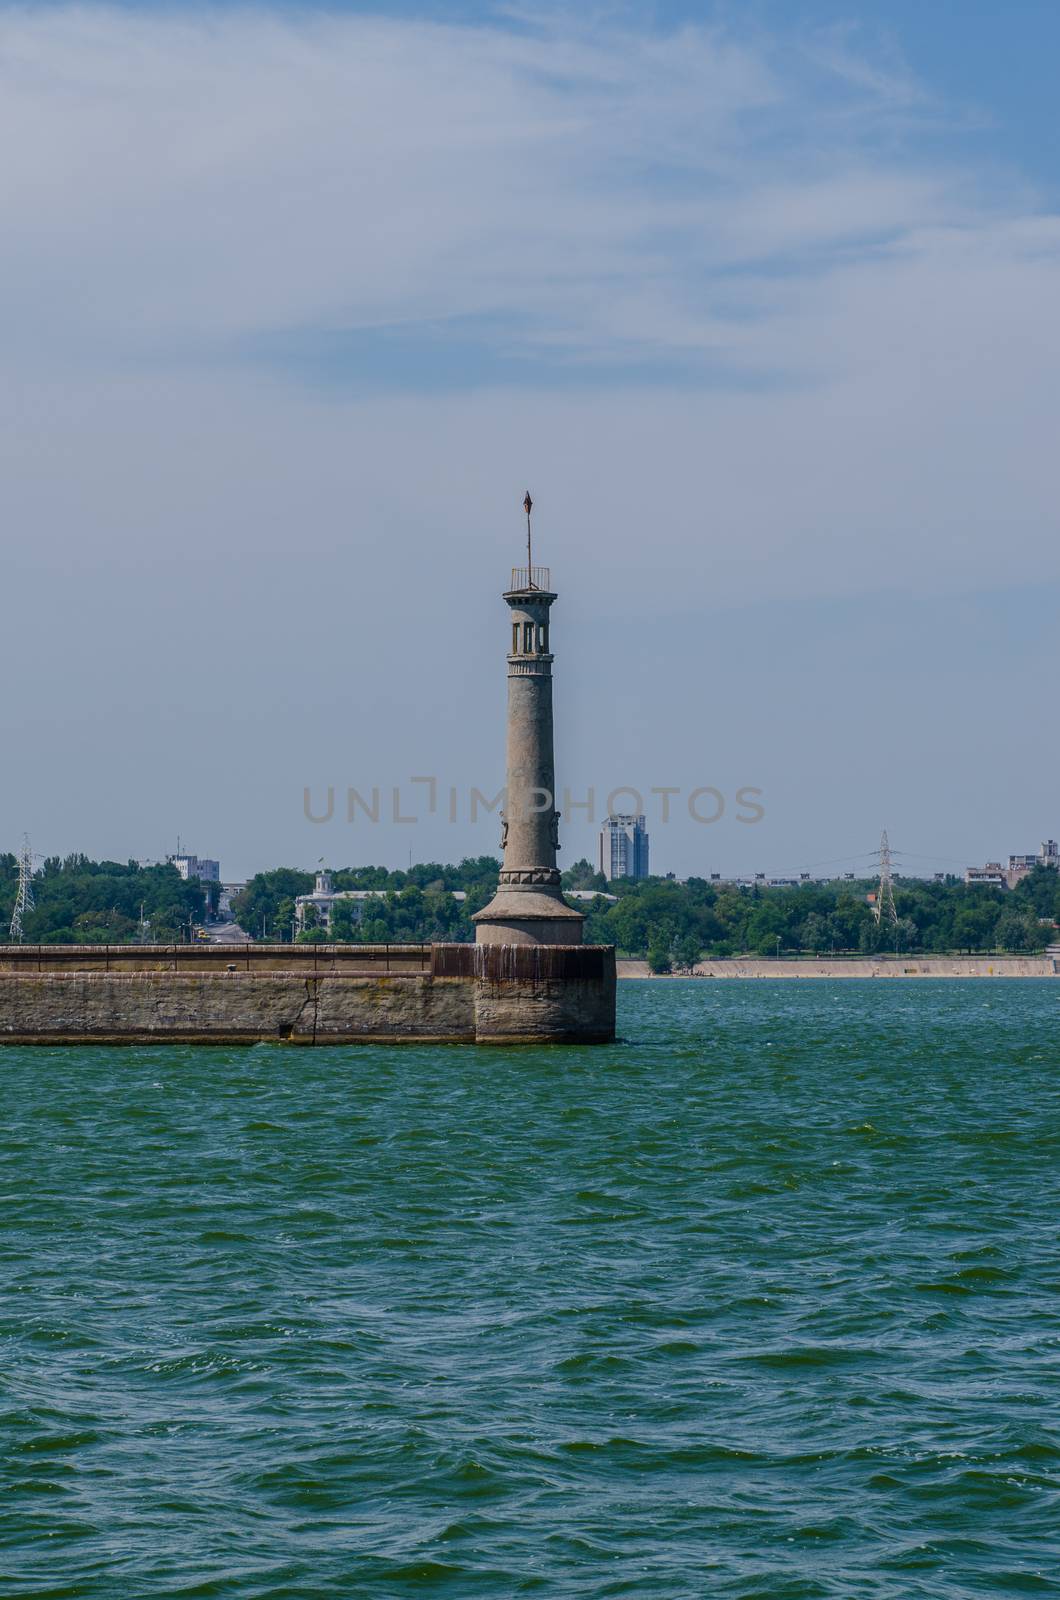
760	1302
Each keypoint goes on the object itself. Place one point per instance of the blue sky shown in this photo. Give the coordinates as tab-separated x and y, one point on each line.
995	63
759	300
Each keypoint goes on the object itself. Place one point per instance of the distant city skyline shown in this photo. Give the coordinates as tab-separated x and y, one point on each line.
1005	871
760	305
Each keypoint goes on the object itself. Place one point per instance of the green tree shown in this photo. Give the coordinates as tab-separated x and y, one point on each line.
1019	928
973	927
257	907
815	933
659	960
79	901
583	875
1040	892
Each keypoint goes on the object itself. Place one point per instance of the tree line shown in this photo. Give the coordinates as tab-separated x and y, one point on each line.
416	906
78	901
675	924
672	924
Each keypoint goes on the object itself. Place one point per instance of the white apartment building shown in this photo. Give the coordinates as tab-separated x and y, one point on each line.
201	867
325	896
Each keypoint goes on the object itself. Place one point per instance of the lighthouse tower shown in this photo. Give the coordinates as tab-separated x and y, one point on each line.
529	907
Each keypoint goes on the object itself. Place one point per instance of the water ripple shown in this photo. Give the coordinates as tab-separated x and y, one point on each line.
760	1304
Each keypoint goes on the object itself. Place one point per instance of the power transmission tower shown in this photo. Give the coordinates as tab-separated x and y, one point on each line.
884	909
24	898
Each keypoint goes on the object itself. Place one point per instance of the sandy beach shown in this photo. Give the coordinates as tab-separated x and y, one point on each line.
1044	966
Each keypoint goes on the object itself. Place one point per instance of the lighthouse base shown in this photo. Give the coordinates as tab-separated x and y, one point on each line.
528	916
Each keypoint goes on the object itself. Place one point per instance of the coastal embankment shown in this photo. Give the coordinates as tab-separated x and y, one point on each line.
1045	966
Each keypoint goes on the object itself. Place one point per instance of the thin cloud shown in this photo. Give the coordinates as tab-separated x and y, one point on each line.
174	183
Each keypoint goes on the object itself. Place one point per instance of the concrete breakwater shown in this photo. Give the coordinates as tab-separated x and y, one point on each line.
307	994
1046	966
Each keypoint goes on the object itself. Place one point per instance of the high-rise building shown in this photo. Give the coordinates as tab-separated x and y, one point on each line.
624	848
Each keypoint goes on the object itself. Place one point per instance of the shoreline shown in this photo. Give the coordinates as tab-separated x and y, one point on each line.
1044	966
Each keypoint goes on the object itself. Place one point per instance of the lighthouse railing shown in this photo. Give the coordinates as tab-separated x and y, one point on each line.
531	578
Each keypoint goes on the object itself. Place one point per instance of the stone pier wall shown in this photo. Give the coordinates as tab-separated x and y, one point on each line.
306	994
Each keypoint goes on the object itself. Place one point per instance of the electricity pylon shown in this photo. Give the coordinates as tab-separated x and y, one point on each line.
884	909
24	897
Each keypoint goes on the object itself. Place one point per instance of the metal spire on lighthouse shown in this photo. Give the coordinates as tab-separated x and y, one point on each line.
528	506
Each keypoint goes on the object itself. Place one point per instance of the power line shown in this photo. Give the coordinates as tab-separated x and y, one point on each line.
24	897
884	910
918	855
835	861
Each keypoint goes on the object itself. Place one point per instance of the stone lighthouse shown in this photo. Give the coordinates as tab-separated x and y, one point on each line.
529	907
